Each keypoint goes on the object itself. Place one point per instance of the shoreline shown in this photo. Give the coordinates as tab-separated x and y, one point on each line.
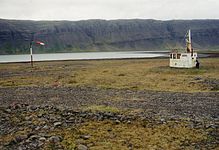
165	56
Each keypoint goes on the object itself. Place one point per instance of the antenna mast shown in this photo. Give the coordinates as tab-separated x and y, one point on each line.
189	42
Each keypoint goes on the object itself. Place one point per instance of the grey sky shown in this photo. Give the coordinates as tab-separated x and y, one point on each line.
108	9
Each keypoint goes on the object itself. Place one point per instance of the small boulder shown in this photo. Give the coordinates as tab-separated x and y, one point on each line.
55	139
28	118
32	108
82	147
8	110
34	137
42	139
46	127
129	122
85	137
56	124
20	138
37	128
117	121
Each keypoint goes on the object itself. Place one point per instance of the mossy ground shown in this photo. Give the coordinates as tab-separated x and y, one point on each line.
142	74
144	135
137	134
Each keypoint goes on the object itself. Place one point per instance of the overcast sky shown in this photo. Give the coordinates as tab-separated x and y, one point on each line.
108	9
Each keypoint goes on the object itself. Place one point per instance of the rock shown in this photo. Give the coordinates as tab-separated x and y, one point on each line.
162	120
27	118
117	121
12	142
43	134
55	139
128	122
82	147
83	115
42	139
46	127
8	110
28	122
56	124
16	106
32	108
109	130
211	126
34	145
20	138
37	128
79	141
85	137
20	148
40	143
34	137
40	115
52	128
70	120
130	146
197	78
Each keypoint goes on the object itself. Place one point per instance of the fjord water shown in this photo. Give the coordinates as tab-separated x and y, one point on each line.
82	56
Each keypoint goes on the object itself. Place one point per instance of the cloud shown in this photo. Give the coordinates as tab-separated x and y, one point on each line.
108	9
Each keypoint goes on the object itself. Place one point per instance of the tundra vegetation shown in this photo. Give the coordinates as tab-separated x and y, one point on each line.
150	74
115	119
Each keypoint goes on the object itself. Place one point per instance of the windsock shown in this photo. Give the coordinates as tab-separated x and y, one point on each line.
40	43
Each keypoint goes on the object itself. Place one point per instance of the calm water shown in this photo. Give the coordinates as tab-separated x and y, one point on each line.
81	56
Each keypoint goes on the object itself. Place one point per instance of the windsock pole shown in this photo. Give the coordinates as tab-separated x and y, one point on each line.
31	51
31	55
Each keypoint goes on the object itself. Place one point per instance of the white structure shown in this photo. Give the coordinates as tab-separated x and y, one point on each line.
186	59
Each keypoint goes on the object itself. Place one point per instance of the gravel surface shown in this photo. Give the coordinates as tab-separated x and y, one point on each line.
149	103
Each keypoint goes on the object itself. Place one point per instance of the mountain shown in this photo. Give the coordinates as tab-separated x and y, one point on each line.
106	35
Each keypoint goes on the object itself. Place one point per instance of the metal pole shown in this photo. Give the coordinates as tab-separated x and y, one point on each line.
31	50
31	55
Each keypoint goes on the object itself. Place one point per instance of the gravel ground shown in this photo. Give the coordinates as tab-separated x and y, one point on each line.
149	103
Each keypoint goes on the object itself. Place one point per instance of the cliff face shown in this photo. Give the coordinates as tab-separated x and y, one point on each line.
102	35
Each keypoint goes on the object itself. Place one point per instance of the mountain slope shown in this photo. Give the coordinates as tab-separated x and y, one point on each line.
102	35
